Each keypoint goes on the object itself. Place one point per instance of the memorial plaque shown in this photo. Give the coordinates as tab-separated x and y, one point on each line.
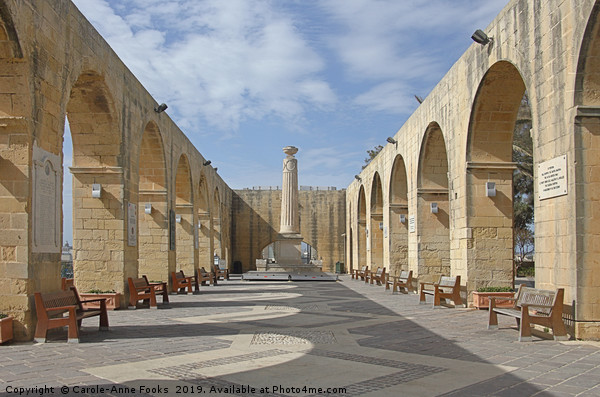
552	178
131	224
412	227
172	226
46	209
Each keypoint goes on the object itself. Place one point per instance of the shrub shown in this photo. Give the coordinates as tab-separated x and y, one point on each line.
526	272
495	289
99	291
2	315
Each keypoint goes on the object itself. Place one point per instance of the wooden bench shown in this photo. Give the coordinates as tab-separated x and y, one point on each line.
532	306
360	273
445	288
202	276
181	282
141	290
160	287
378	276
403	281
66	283
65	309
218	272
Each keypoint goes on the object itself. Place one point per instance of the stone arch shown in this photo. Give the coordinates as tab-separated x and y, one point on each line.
489	160
216	217
586	283
184	217
376	224
153	240
432	192
362	234
96	136
398	221
205	253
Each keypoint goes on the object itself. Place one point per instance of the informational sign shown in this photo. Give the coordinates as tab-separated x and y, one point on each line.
46	200
131	224
412	224
552	178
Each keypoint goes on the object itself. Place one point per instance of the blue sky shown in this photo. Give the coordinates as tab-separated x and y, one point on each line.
244	78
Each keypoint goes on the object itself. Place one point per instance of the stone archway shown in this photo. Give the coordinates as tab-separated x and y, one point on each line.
376	223
584	280
205	255
98	221
433	206
153	207
362	234
184	218
398	220
490	170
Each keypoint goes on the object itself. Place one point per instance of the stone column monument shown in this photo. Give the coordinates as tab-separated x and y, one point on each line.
289	193
288	250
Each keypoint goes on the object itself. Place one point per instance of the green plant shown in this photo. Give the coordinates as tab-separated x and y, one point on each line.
526	271
99	291
2	315
495	289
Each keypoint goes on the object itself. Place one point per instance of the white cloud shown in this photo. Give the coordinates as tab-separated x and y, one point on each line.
219	62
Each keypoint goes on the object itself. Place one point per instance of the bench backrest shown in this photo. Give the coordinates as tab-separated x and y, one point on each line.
405	275
534	296
449	282
380	270
179	275
45	301
137	283
203	271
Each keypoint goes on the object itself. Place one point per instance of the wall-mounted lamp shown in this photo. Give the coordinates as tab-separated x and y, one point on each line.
358	178
96	190
161	108
391	140
207	162
216	169
380	225
402	218
480	37
148	208
434	208
490	189
178	218
199	225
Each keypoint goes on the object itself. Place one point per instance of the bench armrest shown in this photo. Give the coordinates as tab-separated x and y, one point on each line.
427	283
93	300
60	308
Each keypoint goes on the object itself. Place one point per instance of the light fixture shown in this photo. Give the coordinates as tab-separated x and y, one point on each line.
358	178
434	208
161	108
380	225
207	162
391	140
199	225
402	218
96	190
148	208
480	37
490	189
178	218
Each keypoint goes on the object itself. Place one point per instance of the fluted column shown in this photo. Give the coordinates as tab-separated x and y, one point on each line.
289	193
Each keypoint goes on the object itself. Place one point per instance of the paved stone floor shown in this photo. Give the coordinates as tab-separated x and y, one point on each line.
342	338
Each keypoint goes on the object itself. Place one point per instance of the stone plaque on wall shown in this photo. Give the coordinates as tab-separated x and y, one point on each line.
46	201
552	178
131	224
172	226
411	224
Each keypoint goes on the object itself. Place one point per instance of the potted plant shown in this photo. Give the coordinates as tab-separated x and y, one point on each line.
6	328
113	299
482	295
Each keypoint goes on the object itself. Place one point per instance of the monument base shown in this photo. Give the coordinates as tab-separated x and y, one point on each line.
288	276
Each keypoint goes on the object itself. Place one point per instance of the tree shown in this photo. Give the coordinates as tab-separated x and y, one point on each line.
372	154
523	187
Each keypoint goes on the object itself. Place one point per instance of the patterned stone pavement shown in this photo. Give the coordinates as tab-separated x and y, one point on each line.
342	338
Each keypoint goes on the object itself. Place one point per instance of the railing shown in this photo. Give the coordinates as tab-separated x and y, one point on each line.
315	188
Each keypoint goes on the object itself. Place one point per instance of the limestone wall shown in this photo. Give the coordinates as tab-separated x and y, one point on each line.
256	220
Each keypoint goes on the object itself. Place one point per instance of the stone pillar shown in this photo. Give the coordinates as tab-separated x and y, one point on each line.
289	193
